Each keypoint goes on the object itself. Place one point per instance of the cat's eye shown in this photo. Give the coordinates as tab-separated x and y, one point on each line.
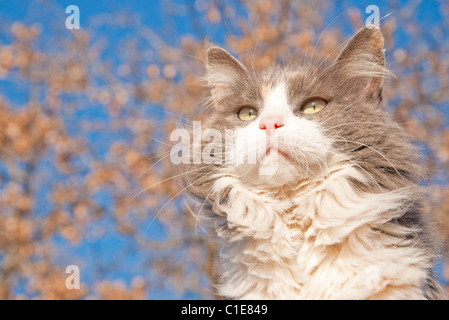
313	105
247	113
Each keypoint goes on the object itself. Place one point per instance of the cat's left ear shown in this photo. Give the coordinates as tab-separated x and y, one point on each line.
362	62
222	69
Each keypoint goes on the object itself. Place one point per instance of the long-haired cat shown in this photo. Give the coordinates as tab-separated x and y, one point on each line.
330	208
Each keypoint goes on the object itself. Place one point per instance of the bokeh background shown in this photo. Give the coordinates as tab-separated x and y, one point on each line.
85	117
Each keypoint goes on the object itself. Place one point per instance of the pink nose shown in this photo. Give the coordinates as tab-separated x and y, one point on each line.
271	123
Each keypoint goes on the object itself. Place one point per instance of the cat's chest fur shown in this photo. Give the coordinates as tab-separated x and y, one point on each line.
324	240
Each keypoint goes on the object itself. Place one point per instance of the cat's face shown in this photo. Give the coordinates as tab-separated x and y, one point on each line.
288	121
277	136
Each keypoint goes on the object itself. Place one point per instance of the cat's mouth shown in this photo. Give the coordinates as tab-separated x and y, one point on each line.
272	151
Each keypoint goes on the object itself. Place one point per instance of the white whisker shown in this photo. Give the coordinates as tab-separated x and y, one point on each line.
375	150
162	181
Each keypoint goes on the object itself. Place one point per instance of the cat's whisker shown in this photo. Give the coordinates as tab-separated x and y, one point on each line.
199	58
178	116
208	194
337	113
164	180
161	142
201	209
318	162
304	165
369	122
360	167
154	157
324	163
166	154
323	159
371	70
387	15
317	68
177	194
311	154
377	151
256	21
325	29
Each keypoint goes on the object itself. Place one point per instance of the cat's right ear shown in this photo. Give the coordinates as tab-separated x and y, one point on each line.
222	69
362	62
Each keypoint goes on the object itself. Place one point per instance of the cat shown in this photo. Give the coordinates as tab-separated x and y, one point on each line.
331	208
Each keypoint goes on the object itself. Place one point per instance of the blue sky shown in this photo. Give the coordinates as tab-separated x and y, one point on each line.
50	15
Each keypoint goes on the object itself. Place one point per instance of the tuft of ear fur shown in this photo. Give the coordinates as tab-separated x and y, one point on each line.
222	69
362	62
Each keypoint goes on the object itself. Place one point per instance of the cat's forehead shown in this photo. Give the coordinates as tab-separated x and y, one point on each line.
293	80
272	76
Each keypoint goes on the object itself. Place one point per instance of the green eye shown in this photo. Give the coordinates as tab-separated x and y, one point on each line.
313	106
247	113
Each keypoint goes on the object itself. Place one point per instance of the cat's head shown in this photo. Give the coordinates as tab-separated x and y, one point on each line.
285	123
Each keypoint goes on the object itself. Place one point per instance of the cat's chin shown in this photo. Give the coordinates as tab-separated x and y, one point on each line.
272	173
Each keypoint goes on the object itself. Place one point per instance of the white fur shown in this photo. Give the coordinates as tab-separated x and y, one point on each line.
275	103
318	242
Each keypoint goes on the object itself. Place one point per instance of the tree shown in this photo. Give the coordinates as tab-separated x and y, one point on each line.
85	120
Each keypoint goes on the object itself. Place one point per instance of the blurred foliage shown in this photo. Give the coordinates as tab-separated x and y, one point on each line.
83	153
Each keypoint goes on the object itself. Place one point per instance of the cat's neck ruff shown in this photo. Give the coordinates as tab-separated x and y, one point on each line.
324	240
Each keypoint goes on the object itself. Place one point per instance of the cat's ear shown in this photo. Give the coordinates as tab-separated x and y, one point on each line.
222	69
362	62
